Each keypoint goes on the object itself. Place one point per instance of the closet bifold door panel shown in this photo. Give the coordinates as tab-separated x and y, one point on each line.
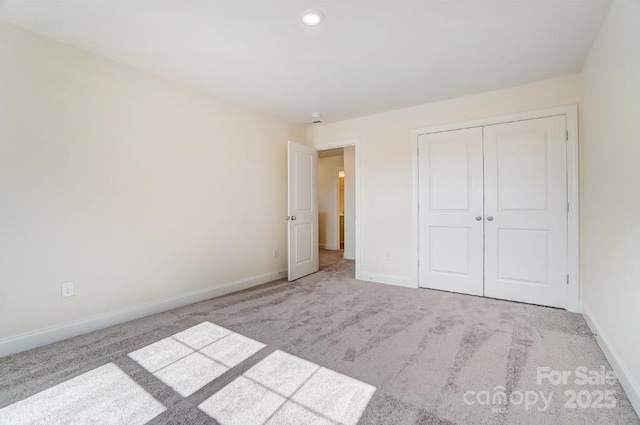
450	200
525	197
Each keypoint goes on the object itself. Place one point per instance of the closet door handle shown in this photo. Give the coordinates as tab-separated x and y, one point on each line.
490	218
478	217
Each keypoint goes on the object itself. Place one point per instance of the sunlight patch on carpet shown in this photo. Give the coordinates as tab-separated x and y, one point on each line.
285	389
105	395
189	360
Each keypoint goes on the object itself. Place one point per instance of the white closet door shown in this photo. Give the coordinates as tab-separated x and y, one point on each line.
526	211
450	220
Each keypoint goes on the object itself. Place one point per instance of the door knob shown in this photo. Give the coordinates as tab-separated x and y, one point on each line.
490	218
293	217
288	218
478	217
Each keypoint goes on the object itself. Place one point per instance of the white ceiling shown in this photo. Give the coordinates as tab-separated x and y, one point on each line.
366	57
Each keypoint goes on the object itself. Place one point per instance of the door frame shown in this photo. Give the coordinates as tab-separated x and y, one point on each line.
335	215
573	178
355	142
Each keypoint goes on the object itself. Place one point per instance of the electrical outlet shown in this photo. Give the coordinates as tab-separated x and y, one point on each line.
275	252
67	289
388	256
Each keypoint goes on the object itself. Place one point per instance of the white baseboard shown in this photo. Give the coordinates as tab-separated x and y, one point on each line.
328	246
388	279
349	255
628	382
27	341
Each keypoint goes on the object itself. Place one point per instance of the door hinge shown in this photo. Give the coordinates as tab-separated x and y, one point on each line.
568	207
567	135
567	279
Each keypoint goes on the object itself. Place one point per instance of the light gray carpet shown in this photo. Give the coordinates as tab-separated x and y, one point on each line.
425	352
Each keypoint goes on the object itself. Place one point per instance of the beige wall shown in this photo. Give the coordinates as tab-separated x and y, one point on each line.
386	173
328	205
610	256
131	186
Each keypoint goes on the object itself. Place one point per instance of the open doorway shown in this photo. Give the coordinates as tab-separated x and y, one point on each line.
336	205
304	253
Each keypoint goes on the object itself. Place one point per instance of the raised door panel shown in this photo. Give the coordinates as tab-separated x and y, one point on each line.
449	175
304	243
303	169
521	161
449	250
523	256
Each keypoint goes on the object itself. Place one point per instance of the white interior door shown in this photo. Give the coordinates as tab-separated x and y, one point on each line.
450	211
526	211
302	211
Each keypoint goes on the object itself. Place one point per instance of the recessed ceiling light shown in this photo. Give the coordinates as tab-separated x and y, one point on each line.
312	17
